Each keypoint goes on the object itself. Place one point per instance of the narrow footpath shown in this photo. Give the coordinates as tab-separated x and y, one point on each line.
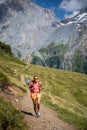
48	119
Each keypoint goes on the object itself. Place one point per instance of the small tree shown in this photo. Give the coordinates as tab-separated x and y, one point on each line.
5	48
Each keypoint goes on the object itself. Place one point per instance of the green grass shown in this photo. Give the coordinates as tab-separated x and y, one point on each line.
4	80
10	118
63	91
11	67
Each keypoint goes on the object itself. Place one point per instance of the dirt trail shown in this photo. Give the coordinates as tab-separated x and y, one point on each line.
47	120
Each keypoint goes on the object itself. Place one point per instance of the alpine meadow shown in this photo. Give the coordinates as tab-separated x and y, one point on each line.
35	42
63	91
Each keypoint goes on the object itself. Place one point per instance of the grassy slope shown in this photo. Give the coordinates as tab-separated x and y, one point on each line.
63	91
10	118
12	67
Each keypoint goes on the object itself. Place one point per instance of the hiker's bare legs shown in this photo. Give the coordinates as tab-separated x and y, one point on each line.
34	105
38	104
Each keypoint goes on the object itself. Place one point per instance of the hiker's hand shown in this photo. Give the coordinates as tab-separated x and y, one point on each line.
31	88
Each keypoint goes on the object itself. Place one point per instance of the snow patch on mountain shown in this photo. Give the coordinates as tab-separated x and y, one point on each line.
27	28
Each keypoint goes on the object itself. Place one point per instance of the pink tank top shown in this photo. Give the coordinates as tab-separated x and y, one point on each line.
36	88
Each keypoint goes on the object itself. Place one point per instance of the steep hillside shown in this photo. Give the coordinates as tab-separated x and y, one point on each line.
10	68
62	46
24	25
63	91
11	88
28	28
10	117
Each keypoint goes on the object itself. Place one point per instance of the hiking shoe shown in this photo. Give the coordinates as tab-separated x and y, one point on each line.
38	114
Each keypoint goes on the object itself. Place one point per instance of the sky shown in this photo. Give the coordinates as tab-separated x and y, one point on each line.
63	8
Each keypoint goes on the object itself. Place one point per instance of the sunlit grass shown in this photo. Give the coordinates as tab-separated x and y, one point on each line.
10	118
63	91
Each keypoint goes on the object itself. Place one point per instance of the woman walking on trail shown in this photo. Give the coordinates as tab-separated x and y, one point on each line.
35	90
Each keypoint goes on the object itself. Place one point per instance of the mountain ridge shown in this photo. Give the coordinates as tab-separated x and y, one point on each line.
27	28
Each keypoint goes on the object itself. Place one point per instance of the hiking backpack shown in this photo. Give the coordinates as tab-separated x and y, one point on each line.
28	81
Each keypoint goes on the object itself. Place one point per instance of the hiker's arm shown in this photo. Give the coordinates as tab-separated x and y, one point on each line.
40	87
31	86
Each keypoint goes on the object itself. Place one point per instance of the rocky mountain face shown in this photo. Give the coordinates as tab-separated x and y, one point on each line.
25	26
32	30
66	47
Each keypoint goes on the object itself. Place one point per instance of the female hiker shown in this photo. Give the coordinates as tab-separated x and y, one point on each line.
35	91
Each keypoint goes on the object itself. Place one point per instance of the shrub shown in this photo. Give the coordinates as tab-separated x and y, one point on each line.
5	48
4	80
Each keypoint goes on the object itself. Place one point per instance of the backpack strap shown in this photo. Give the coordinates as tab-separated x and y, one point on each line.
32	85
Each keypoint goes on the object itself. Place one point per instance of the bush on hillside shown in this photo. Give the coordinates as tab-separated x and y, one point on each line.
4	81
5	48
